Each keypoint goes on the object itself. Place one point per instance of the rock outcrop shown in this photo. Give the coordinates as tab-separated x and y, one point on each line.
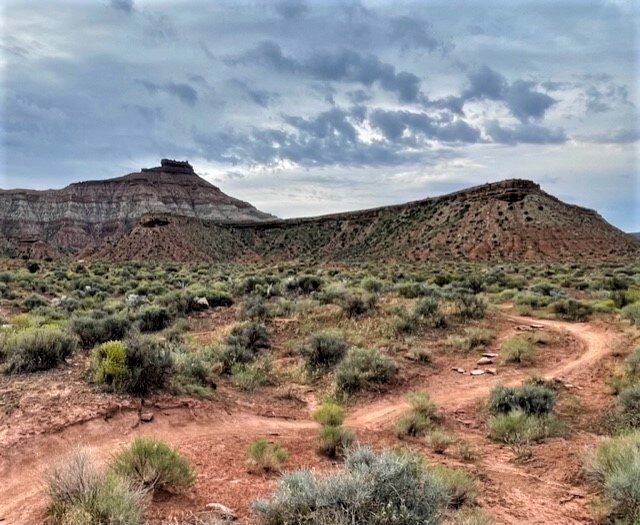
86	214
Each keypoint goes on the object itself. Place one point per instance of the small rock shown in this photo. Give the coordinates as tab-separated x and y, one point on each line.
201	302
477	372
222	511
489	354
459	370
133	299
146	417
485	361
492	371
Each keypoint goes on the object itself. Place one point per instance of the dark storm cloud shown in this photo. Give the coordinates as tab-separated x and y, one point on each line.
184	92
261	97
339	66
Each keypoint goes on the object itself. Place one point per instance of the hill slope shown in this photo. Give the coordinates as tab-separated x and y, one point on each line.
509	220
40	223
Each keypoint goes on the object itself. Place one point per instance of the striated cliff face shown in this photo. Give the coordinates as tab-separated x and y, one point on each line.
85	214
508	220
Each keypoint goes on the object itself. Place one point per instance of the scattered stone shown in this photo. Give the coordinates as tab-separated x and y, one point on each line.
134	299
222	511
201	302
485	361
146	417
536	326
492	371
459	370
477	372
489	354
58	301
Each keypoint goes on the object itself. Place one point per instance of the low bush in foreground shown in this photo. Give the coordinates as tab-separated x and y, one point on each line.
334	440
36	349
266	456
517	350
329	414
614	466
459	486
420	418
530	398
362	369
82	494
519	428
373	489
323	350
93	331
153	465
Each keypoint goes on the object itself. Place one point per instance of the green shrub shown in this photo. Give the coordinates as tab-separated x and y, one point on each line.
614	466
472	339
250	376
572	310
266	456
254	308
372	489
358	303
362	369
81	494
149	364
530	398
303	284
249	335
631	312
334	440
428	312
372	285
323	350
459	486
440	441
420	418
153	319
519	428
517	350
92	332
192	374
153	465
329	413
34	301
109	365
469	307
36	349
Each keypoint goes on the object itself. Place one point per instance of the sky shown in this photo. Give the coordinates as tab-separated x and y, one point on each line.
306	107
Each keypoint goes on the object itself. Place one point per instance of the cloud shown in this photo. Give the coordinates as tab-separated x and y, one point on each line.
261	97
524	133
122	5
289	9
340	66
520	96
184	92
413	33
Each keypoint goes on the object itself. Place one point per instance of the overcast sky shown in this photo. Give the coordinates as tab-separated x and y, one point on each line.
308	107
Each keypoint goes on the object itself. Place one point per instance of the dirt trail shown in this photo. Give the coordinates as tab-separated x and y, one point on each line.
23	469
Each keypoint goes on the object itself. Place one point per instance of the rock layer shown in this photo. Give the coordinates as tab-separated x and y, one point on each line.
85	214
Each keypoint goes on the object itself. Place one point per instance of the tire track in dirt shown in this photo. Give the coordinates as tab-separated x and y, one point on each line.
23	469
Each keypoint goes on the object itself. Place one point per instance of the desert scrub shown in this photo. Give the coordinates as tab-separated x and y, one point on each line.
471	339
420	418
265	455
354	304
370	489
250	376
241	345
254	308
361	369
518	428
334	440
93	331
153	319
323	350
517	350
614	466
149	362
571	310
192	373
631	312
153	465
36	349
468	307
534	399
79	493
328	413
109	365
459	486
439	441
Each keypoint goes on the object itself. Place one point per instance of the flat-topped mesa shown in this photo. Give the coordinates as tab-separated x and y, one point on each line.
172	166
511	190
